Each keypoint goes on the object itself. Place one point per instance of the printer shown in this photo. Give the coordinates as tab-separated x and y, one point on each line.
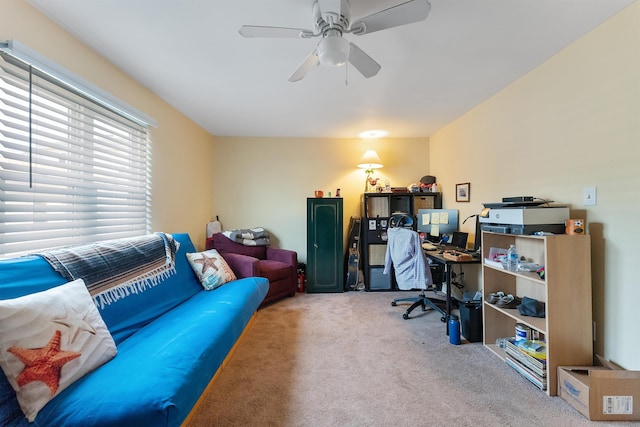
523	218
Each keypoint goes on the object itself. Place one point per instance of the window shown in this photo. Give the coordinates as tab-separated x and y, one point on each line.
72	170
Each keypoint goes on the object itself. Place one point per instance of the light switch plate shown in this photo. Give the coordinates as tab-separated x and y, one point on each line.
589	197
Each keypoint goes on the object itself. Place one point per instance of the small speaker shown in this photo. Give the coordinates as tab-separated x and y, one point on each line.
574	226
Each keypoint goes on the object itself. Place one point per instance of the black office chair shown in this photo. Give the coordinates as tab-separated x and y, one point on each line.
405	258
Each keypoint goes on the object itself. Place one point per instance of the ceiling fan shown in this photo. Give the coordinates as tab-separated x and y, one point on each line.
331	22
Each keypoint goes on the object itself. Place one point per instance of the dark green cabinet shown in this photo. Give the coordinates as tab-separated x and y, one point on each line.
325	252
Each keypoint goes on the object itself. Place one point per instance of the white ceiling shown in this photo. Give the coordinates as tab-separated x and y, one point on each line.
190	54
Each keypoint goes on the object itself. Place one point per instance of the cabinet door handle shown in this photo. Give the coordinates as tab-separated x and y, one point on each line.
315	245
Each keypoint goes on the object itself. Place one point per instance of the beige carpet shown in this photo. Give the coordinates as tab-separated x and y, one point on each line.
352	360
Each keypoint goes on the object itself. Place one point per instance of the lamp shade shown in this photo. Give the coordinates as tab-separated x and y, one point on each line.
370	160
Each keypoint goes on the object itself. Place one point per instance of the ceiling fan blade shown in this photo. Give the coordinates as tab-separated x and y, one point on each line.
367	66
306	66
404	13
260	31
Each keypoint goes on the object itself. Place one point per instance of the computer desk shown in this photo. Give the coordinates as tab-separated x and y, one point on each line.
438	257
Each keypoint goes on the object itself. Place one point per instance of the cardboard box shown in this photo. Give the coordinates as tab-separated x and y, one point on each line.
601	393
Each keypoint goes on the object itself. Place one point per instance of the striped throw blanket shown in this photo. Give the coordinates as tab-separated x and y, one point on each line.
249	236
114	269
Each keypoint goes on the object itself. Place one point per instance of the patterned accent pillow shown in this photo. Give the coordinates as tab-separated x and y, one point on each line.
50	339
212	270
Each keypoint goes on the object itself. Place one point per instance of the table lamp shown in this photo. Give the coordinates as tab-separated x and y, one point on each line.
370	162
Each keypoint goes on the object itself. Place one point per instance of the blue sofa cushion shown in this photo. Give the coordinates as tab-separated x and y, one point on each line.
126	316
26	275
161	370
171	339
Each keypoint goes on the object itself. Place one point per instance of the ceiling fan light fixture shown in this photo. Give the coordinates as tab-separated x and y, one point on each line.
333	51
373	133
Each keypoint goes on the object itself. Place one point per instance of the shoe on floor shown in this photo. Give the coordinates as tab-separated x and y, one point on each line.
508	301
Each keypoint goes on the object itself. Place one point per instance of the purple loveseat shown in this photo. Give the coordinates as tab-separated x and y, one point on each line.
279	266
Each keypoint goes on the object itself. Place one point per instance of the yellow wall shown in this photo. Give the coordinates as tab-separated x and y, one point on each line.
570	123
265	182
182	152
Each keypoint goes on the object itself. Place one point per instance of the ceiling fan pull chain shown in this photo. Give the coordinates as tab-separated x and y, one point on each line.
346	74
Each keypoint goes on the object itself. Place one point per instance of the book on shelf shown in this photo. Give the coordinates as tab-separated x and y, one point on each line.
522	346
538	381
534	348
538	366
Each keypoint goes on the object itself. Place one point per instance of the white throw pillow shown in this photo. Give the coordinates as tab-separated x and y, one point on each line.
50	339
212	270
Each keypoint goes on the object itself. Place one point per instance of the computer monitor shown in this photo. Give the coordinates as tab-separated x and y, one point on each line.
436	222
477	240
459	240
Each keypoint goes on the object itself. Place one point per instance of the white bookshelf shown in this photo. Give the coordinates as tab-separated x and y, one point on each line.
565	290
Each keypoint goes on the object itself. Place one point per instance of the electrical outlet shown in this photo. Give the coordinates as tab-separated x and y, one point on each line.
589	197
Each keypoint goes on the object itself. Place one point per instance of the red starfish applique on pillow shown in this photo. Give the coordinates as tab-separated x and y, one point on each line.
207	262
43	364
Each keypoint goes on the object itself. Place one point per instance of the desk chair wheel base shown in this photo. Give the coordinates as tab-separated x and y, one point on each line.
405	316
420	301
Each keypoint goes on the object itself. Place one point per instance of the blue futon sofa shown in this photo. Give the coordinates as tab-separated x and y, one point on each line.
171	340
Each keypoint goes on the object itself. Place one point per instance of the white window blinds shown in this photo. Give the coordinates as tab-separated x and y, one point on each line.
71	170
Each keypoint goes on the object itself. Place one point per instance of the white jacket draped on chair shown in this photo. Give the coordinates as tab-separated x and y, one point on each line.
404	251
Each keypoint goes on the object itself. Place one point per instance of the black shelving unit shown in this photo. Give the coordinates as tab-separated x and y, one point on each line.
377	209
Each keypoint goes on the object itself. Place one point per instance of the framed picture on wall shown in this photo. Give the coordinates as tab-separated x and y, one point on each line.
463	192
